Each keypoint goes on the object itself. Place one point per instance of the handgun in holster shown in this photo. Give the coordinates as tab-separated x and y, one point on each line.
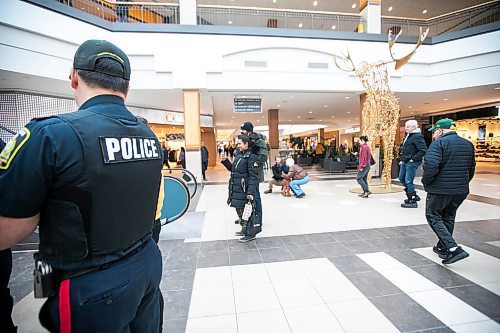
43	279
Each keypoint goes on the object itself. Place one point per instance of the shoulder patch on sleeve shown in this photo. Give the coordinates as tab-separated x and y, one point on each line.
255	164
12	147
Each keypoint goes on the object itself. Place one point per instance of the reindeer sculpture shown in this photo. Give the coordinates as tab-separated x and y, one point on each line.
380	113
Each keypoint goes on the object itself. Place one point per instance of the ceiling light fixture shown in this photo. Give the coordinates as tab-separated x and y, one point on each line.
315	3
410	107
497	88
310	112
347	97
298	116
348	111
353	6
274	1
230	22
445	99
300	25
279	105
333	27
325	106
424	11
389	9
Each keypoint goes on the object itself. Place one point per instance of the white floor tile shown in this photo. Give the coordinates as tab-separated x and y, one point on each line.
263	322
212	277
399	274
495	243
318	268
336	289
284	271
249	274
447	308
255	297
219	324
297	293
373	321
314	318
489	326
212	302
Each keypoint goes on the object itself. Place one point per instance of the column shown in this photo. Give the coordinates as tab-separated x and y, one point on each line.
274	135
192	131
187	13
208	136
321	135
362	99
371	12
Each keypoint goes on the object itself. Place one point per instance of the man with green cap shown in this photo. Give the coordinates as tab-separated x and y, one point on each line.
89	179
449	166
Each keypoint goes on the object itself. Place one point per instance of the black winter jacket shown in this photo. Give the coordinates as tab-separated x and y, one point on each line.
244	178
278	169
449	165
414	148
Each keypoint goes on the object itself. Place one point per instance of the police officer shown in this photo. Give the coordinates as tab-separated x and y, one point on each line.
259	147
90	180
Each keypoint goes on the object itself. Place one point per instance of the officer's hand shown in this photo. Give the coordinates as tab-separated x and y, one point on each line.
250	197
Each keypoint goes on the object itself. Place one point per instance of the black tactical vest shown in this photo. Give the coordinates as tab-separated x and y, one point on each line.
113	204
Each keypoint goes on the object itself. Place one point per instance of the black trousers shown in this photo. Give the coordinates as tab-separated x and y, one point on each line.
440	211
6	301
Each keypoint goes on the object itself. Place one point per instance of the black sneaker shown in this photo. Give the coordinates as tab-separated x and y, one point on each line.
410	204
246	239
442	253
240	233
455	256
300	195
237	221
268	191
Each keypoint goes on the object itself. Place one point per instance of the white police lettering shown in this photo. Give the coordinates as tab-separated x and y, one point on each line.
127	149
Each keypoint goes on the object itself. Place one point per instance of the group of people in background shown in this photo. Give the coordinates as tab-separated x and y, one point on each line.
448	168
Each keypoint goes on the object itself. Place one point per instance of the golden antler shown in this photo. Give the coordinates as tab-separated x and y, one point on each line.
402	61
348	65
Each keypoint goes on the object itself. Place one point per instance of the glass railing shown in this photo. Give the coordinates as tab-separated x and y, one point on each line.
157	12
128	12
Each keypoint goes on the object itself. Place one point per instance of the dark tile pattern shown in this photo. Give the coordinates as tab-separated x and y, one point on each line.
479	298
333	249
492	250
350	264
410	258
442	276
406	314
180	279
304	252
275	255
174	326
373	284
176	304
213	259
245	257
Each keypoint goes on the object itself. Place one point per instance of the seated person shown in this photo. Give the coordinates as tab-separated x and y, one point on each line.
277	179
297	176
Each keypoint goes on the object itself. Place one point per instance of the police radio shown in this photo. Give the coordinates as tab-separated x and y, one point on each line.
43	281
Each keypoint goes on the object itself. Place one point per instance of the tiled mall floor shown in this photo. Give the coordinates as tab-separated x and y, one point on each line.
330	262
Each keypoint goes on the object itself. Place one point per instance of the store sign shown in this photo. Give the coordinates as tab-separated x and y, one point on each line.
352	130
243	105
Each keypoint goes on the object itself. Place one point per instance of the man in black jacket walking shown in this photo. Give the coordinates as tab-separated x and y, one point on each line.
412	151
448	168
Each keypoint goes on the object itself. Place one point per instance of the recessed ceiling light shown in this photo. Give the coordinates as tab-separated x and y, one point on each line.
445	99
333	27
497	88
389	9
315	3
262	117
353	6
424	11
230	22
348	111
291	97
298	116
310	112
347	97
410	107
348	119
274	1
258	119
279	105
325	106
233	117
289	120
333	116
300	25
321	120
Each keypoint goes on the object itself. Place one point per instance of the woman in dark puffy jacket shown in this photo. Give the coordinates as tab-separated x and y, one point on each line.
244	180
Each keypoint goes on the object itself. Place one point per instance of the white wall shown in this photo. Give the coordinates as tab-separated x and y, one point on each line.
39	42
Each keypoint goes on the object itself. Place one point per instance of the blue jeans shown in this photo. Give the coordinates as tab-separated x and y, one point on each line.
362	178
295	185
407	174
258	203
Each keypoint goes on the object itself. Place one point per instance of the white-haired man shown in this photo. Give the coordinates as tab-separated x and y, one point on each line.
412	151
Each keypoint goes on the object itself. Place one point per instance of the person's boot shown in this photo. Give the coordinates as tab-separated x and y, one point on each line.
270	190
241	232
417	198
411	202
366	194
246	238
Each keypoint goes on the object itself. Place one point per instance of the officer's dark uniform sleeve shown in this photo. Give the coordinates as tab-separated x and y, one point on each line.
26	180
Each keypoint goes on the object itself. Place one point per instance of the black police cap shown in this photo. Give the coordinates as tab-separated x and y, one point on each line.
92	50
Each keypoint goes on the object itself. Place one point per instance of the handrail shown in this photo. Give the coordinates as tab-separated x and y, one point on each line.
192	177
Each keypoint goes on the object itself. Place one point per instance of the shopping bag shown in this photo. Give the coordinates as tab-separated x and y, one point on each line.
254	223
